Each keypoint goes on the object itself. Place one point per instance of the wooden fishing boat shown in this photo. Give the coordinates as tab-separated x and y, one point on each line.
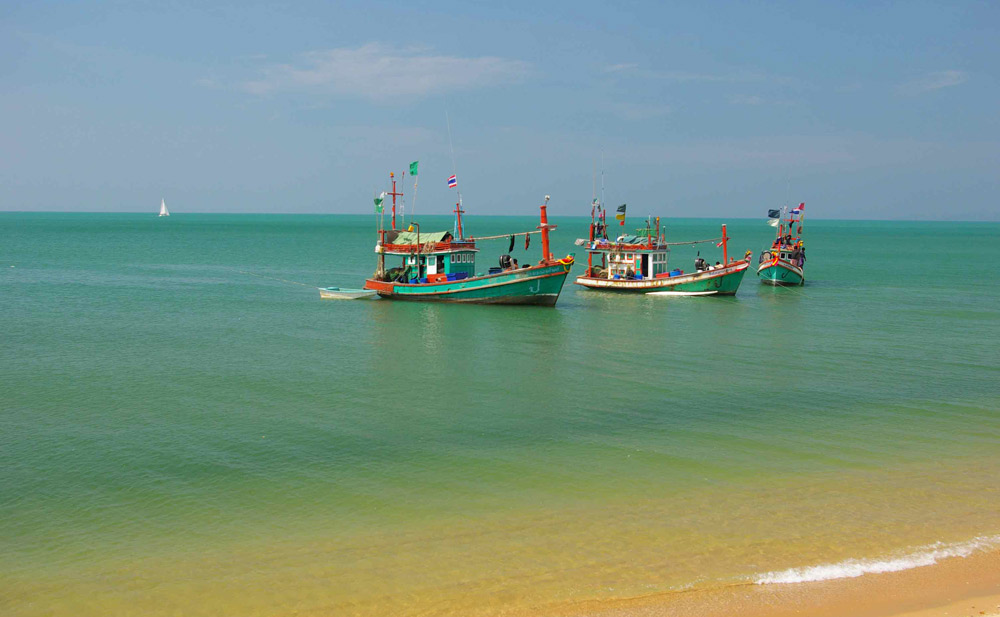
441	267
339	293
784	263
639	264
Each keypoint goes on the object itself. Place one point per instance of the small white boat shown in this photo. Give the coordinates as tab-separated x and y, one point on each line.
339	293
163	208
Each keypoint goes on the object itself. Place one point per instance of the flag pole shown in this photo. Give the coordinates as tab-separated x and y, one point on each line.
413	206
454	171
604	211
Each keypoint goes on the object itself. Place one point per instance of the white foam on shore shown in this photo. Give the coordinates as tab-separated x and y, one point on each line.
851	568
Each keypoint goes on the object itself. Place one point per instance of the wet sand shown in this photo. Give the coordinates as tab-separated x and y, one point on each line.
956	587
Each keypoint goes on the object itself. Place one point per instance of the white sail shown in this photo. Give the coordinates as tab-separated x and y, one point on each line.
163	208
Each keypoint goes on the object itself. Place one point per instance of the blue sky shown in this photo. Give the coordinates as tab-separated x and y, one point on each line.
862	110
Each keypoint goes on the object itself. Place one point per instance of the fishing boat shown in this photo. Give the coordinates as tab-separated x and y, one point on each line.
440	266
784	263
638	263
163	208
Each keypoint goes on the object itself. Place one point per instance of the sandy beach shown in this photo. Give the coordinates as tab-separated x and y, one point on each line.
956	587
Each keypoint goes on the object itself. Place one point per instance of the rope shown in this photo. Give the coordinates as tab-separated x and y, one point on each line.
719	239
520	233
277	279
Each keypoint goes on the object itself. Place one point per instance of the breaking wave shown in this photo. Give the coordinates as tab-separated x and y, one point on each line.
851	568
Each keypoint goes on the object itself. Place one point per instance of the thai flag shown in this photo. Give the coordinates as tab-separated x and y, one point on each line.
452	182
802	206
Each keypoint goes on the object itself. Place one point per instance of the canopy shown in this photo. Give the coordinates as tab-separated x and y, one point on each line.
410	237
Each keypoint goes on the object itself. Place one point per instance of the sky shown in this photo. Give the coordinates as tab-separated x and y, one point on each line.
862	110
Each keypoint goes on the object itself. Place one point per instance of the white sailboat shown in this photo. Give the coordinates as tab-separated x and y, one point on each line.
163	208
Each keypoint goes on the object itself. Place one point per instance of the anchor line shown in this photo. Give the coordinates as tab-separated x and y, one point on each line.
273	278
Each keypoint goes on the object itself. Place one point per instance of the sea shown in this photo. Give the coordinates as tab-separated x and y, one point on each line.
186	428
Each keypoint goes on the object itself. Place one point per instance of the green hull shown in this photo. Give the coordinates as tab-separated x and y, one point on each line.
780	275
539	285
723	282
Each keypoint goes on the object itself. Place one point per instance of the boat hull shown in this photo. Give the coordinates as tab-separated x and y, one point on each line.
336	293
538	285
781	273
722	282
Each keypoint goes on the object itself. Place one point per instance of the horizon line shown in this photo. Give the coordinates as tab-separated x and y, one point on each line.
583	216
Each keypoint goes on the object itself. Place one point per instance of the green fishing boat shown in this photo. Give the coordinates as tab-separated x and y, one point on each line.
783	265
639	263
441	266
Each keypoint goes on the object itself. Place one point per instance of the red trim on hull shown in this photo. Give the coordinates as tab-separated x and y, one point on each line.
652	284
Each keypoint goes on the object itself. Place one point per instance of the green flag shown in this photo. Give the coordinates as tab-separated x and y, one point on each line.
413	168
378	202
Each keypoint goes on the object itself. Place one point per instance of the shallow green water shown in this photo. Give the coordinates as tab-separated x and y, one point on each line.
179	434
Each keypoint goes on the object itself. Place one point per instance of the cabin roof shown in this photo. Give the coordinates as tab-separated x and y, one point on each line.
410	237
629	244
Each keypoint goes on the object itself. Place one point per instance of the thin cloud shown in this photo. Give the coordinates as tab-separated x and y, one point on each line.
380	72
934	81
621	68
633	69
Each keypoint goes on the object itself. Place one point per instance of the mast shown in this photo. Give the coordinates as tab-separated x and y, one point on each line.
602	180
725	246
392	177
544	226
780	224
458	218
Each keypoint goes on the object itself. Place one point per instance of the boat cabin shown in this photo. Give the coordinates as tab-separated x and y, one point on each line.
632	257
430	257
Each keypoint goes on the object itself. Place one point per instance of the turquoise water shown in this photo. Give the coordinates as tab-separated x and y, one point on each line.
186	430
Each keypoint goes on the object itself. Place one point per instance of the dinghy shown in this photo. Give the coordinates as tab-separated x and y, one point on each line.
338	293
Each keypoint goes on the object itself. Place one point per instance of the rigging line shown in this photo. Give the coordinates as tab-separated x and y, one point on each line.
447	120
719	239
272	278
519	233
